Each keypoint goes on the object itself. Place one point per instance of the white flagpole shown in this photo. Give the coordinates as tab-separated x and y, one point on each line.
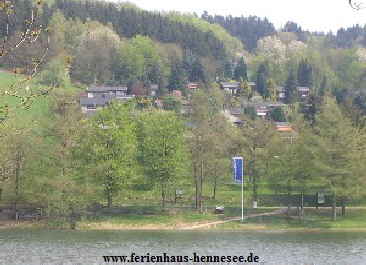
242	191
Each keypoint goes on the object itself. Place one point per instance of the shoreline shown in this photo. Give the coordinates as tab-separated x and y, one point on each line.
250	227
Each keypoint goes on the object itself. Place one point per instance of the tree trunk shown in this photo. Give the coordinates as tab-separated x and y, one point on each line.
109	193
343	205
110	200
163	197
255	180
18	159
215	183
334	210
289	205
201	180
214	190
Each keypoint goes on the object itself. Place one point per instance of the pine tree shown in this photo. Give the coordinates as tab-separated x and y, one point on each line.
241	70
291	93
323	87
262	78
228	73
198	73
178	78
305	74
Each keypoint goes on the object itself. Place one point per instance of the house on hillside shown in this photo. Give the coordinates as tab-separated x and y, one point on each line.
280	93
153	89
233	115
304	93
102	91
230	87
192	85
100	97
262	108
286	130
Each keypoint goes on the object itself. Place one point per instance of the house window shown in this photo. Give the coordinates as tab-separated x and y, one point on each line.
120	93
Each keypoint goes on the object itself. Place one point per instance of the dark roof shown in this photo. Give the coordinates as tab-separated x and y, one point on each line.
283	124
229	84
191	125
105	89
303	89
102	101
154	87
266	104
93	101
234	111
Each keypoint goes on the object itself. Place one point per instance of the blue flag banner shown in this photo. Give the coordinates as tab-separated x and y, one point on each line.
238	169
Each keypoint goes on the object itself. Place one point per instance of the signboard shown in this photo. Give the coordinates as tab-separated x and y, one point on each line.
238	169
321	197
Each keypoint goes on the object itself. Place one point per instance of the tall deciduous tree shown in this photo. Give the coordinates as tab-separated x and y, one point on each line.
253	143
338	148
270	91
107	151
207	106
162	149
244	89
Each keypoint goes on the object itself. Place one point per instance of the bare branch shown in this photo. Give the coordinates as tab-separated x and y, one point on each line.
355	5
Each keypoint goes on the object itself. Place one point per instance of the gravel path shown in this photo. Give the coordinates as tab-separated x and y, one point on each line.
279	211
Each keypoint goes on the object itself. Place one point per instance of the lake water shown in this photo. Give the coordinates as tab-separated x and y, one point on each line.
33	246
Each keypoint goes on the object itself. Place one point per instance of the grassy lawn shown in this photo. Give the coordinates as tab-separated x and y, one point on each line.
177	219
316	219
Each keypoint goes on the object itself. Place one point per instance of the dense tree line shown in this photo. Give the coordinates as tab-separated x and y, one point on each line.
127	22
248	29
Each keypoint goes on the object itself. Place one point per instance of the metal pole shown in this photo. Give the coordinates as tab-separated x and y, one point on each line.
242	191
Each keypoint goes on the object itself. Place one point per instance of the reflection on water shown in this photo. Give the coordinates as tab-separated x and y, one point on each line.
88	247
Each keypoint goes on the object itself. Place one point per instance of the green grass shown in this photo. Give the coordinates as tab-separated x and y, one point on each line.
317	219
177	218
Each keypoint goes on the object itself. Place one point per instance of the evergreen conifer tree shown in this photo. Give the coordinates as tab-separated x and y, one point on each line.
241	70
291	93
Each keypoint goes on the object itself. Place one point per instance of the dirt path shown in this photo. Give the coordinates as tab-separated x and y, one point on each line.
279	211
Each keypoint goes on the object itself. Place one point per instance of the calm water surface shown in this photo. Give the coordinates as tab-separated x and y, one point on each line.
88	247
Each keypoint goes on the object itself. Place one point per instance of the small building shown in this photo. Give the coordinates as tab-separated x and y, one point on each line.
262	108
284	126
100	97
280	93
100	91
192	85
230	87
303	93
233	115
153	90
